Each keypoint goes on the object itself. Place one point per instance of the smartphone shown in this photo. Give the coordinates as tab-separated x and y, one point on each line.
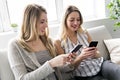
76	48
93	43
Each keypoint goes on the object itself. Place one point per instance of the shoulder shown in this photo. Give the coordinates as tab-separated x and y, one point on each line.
13	47
58	46
86	34
57	42
12	42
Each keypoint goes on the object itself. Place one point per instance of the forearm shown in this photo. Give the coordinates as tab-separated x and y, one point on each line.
76	62
66	68
41	73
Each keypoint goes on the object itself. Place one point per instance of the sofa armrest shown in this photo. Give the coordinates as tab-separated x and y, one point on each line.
5	70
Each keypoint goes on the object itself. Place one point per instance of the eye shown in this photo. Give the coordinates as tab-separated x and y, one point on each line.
71	20
78	20
42	22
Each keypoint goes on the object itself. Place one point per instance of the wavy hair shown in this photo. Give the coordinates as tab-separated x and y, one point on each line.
68	11
29	31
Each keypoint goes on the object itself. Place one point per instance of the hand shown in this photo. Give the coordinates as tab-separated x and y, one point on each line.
88	52
60	60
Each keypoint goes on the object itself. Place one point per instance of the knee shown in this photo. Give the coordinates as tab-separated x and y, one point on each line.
110	70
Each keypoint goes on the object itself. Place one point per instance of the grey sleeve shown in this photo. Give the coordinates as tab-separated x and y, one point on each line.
66	68
19	69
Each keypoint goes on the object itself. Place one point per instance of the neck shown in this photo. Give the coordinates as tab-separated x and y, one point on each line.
36	41
71	34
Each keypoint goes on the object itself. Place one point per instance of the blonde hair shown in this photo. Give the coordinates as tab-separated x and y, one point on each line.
69	10
29	32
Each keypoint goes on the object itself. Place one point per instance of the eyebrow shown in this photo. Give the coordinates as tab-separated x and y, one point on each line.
42	19
74	18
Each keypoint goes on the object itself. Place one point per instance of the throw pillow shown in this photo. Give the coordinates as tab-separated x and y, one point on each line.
113	46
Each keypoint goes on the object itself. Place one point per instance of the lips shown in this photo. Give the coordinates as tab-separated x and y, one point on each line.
42	30
75	27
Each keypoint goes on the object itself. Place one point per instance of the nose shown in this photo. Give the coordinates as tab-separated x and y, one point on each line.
46	24
76	22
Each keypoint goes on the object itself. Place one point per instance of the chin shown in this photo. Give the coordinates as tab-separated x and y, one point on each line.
41	34
75	30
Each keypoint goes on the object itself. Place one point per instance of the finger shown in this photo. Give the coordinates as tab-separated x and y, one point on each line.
73	56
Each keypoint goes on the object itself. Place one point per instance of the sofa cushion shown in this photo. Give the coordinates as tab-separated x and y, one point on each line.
100	33
5	71
113	46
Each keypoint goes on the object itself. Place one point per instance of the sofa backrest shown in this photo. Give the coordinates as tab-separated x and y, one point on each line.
100	33
97	33
5	71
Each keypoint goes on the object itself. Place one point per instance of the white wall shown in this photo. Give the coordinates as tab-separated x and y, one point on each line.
5	37
107	22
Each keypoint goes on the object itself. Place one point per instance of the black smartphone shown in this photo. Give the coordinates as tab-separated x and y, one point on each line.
93	43
76	48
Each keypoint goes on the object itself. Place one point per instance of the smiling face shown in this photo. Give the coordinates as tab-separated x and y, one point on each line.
73	21
42	24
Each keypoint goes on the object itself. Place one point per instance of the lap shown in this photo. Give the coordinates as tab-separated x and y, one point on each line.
96	77
110	70
90	78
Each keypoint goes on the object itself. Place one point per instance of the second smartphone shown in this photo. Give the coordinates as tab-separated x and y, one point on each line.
76	48
93	43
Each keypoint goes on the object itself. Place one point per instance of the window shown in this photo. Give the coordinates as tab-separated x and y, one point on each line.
90	9
11	11
4	16
16	9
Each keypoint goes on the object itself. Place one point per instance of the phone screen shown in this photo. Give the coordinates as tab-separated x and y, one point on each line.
93	43
76	48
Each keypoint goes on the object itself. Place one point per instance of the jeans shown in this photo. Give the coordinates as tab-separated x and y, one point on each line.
109	71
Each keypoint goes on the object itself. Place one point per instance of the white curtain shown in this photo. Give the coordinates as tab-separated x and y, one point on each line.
4	16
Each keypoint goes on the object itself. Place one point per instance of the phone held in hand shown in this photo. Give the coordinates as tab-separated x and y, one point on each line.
76	48
93	43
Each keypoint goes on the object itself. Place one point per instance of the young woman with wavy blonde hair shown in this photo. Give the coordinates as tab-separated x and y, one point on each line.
32	55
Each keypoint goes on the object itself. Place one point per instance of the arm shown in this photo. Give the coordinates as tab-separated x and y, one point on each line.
20	70
59	51
20	64
86	53
89	40
69	67
58	48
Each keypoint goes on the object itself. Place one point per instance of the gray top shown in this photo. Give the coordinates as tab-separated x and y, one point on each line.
42	57
25	65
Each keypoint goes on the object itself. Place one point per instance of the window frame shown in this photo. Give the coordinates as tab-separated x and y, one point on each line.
59	9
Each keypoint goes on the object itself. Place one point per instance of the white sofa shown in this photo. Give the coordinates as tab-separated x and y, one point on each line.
97	33
5	71
101	33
